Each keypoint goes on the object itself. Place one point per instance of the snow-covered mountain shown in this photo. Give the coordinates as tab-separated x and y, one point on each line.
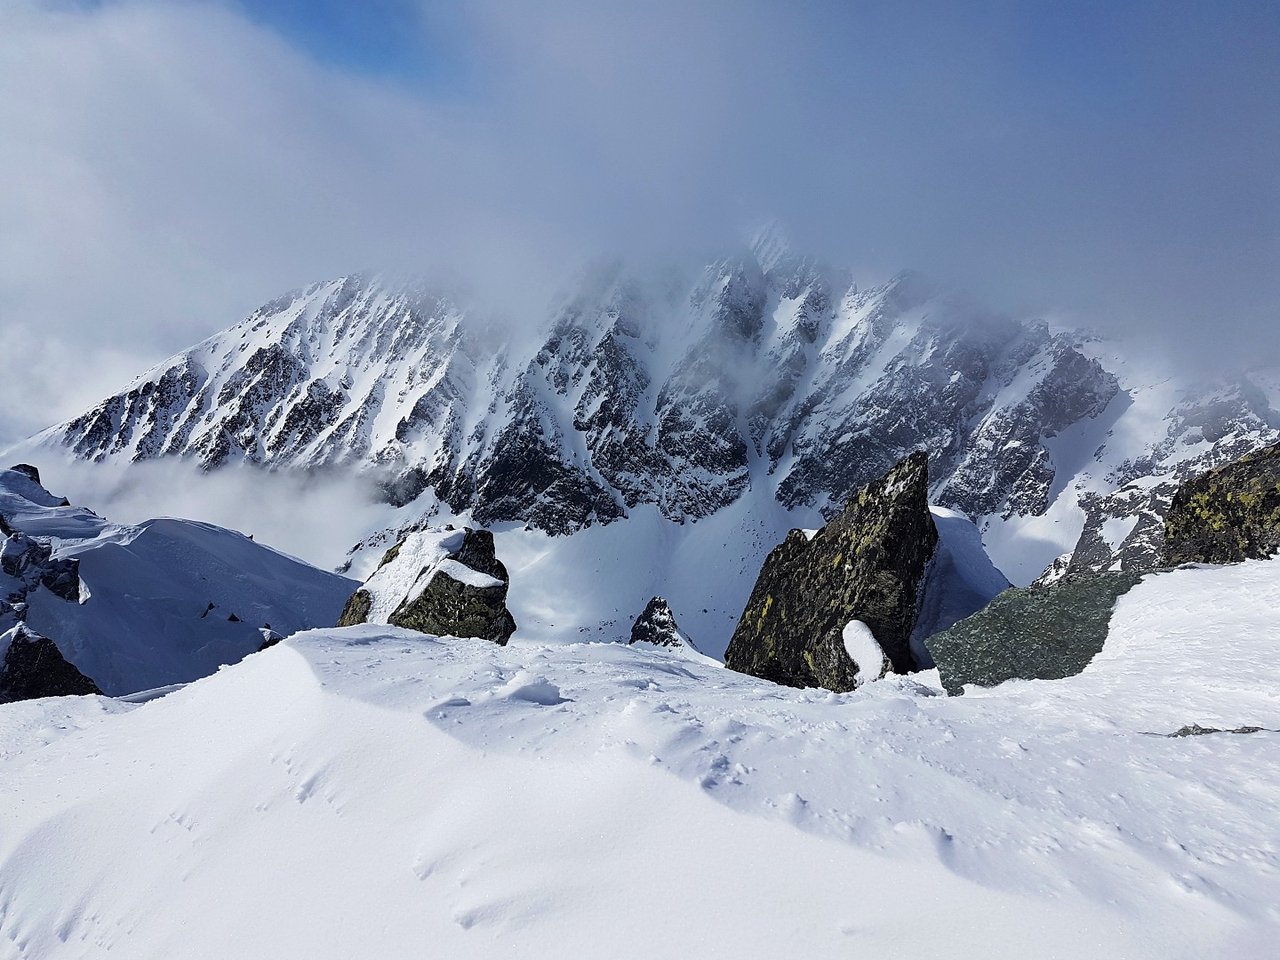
762	372
372	792
142	606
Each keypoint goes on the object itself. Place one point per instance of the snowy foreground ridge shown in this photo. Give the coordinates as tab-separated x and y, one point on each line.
370	792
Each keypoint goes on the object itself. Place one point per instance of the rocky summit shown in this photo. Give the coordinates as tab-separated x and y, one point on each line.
445	582
868	565
657	627
1228	514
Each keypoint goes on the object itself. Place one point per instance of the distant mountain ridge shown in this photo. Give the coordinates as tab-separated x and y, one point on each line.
683	391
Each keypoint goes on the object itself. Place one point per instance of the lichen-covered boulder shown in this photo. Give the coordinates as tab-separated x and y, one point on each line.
445	582
1031	633
657	627
867	565
1228	514
32	666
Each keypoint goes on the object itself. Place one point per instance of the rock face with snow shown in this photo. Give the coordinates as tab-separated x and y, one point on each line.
1031	633
133	607
657	627
1228	514
868	564
686	389
442	582
1207	425
32	666
678	390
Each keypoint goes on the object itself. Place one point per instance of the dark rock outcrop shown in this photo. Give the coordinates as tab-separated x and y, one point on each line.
33	666
1228	514
27	470
657	626
459	588
867	564
31	563
269	637
1030	633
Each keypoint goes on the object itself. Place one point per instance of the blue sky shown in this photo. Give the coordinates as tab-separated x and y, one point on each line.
392	38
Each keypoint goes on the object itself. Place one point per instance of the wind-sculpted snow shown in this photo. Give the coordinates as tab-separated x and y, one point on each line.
369	791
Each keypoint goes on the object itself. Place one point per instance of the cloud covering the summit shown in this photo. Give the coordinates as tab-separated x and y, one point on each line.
166	167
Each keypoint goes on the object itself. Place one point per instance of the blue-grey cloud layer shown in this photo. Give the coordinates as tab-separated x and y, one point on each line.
165	166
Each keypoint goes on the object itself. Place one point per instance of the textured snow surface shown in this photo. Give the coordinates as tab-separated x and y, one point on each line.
371	792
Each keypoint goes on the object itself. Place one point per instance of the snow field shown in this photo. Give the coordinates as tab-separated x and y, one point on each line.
375	792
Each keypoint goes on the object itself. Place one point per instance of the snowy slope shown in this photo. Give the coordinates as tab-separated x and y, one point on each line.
161	602
373	792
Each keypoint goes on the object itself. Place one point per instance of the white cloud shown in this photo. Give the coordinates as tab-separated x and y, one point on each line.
165	167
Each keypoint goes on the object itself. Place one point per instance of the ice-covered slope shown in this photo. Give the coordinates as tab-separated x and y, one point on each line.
161	602
372	792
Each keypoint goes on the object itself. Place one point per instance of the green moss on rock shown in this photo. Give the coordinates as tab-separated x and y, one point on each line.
1228	514
1030	633
357	609
461	606
867	564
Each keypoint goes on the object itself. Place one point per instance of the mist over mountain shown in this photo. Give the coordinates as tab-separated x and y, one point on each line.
171	164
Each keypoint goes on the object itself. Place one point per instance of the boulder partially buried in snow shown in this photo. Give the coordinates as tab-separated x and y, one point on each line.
657	627
867	565
444	582
1031	633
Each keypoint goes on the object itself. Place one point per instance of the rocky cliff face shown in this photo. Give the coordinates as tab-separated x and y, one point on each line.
868	565
657	627
1228	514
33	666
679	390
1207	426
686	389
442	582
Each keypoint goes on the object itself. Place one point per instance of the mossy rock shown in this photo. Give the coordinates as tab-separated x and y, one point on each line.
1228	514
1031	633
465	593
867	564
357	609
448	607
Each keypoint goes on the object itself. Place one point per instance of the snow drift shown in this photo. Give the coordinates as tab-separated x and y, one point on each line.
374	792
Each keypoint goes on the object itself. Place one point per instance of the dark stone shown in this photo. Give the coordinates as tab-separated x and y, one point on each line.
657	626
357	609
35	667
1030	633
31	562
867	564
1195	730
1228	514
269	637
61	577
447	606
27	470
